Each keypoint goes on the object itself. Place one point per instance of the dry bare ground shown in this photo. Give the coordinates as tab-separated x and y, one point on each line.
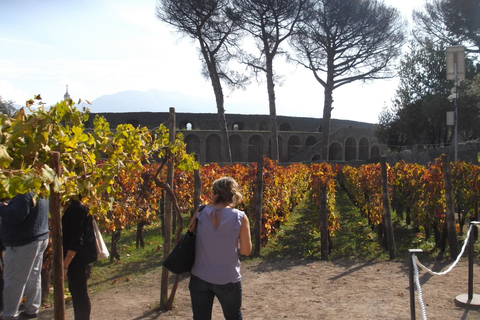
301	289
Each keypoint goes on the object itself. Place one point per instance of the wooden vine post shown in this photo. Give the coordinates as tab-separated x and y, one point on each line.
387	216
167	236
450	213
258	207
56	232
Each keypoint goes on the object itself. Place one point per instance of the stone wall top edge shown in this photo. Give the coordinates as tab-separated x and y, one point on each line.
236	115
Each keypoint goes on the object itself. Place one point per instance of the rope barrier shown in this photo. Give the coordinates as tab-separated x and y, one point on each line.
419	288
454	263
417	263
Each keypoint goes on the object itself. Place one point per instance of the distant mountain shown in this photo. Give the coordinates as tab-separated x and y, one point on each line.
156	100
153	100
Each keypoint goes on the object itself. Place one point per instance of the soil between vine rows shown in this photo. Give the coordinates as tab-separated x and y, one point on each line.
300	289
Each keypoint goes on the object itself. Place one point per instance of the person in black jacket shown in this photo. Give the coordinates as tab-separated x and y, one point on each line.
24	233
79	251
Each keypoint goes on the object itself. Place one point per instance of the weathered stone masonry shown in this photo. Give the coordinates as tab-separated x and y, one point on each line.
249	135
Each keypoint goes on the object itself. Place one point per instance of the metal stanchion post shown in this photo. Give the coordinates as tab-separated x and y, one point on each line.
410	278
469	300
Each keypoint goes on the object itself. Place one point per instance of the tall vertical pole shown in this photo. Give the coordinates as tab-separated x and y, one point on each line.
411	252
455	59
456	109
392	248
56	230
471	257
470	300
167	236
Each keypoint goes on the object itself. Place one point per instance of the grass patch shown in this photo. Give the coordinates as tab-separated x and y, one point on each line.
298	237
355	240
134	261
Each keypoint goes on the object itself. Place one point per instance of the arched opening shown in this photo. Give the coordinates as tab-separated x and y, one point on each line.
285	127
236	143
350	149
363	148
255	148
294	145
375	151
238	126
193	144
335	151
316	157
213	148
185	125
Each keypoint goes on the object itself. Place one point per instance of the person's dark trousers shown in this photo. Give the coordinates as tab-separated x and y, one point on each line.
1	289
77	284
1	277
202	294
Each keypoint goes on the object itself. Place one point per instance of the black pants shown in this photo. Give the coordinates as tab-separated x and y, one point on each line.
77	284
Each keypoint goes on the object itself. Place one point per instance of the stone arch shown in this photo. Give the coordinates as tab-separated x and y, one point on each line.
335	151
375	151
185	125
294	145
285	126
363	149
350	149
255	148
238	125
310	141
214	148
316	157
193	143
236	143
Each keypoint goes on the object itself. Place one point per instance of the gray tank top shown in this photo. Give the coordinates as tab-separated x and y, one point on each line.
216	247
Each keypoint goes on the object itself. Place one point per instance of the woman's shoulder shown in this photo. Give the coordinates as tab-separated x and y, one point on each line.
240	214
209	208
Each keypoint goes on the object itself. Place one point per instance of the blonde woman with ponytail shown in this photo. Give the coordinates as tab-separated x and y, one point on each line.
223	233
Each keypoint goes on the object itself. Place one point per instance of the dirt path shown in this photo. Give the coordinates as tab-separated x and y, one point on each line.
301	289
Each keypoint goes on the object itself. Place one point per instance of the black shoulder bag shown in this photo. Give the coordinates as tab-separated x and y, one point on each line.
182	257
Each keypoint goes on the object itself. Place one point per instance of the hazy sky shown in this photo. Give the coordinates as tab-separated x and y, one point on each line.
101	47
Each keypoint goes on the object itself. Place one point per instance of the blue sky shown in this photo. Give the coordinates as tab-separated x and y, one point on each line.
102	47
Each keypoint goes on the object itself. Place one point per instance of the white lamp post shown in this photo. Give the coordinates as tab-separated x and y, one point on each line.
455	71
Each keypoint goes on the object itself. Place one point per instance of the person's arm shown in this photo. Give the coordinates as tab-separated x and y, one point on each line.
66	262
191	226
245	239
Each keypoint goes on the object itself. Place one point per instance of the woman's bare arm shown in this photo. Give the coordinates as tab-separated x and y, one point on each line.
245	240
191	226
